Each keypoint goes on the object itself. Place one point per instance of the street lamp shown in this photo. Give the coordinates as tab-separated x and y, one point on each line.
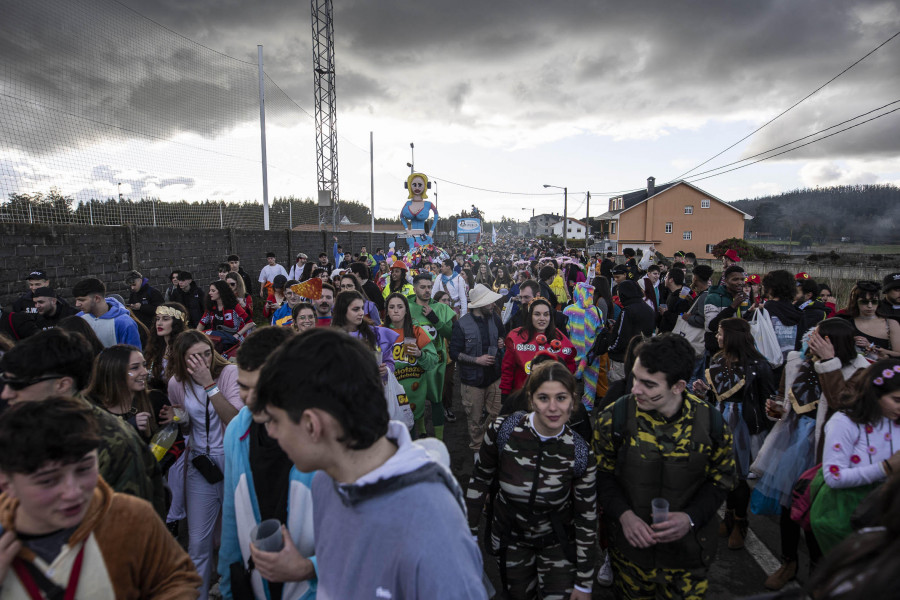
412	151
565	211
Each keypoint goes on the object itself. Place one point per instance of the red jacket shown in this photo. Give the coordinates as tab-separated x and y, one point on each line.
519	352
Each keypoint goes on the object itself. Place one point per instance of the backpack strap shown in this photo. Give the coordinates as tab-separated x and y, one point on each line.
582	455
506	428
620	418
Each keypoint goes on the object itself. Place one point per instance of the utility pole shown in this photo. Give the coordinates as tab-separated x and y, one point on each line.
587	221
262	134
326	113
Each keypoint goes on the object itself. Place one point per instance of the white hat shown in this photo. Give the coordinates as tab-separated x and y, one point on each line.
480	296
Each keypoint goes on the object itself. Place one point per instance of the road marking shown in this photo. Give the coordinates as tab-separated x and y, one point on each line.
758	550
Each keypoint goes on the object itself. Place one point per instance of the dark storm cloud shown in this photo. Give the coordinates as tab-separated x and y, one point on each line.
615	67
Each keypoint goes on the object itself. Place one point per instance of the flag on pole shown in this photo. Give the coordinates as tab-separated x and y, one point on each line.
494	235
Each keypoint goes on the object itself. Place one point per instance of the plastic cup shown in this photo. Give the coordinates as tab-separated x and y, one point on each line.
492	351
378	357
267	536
781	402
410	342
659	508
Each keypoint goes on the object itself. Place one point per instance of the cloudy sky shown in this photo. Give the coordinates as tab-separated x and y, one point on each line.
161	95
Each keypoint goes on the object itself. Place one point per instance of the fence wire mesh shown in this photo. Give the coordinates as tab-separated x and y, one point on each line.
108	118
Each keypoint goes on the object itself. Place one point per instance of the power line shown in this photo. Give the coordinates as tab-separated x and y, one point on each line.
471	187
799	139
767	123
801	145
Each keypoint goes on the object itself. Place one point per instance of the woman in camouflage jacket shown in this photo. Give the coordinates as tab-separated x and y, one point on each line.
541	479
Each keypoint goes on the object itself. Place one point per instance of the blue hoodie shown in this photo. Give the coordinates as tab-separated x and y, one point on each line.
114	327
398	532
240	513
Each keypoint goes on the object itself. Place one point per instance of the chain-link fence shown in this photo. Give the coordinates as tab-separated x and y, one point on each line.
99	103
55	209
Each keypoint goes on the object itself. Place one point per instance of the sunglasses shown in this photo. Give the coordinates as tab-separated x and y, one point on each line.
18	383
232	284
869	301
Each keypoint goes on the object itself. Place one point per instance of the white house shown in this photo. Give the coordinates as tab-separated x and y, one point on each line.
577	229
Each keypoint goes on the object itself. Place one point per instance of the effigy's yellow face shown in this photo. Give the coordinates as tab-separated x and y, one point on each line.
417	186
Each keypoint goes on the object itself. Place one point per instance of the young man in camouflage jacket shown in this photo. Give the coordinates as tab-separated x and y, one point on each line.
661	442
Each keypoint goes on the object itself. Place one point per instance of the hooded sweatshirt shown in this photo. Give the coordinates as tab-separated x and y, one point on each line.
376	537
636	319
114	327
241	513
127	552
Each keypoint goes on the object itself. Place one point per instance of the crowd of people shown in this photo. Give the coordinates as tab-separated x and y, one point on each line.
613	405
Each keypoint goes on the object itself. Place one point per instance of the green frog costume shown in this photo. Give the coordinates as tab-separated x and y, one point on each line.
439	325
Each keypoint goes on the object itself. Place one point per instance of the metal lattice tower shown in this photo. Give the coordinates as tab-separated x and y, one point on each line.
326	111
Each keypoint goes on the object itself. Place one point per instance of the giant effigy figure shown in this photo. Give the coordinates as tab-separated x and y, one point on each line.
416	211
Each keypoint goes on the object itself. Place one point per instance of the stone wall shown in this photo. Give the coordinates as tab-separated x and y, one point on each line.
71	252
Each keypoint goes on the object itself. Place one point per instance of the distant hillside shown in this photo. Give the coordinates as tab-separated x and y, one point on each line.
864	213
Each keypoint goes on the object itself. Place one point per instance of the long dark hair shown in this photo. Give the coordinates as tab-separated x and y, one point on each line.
398	285
505	280
866	409
602	290
229	300
109	382
156	344
840	333
339	317
470	277
738	345
407	319
528	327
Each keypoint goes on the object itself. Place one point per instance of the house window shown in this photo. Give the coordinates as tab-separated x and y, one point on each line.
709	248
612	227
704	203
688	210
686	235
668	227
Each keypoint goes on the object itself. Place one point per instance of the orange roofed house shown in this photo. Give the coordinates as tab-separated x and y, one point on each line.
675	216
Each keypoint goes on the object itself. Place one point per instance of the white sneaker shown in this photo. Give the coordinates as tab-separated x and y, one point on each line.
605	573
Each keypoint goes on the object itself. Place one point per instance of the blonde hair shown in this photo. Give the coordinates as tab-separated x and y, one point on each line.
409	184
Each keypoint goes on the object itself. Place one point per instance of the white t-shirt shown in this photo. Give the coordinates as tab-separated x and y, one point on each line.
268	273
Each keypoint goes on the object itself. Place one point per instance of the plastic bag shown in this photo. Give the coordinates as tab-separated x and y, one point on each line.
397	403
764	334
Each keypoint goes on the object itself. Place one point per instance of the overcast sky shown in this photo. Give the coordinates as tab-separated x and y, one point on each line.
499	95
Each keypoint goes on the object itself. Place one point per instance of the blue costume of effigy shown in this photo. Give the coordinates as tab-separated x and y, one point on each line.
415	222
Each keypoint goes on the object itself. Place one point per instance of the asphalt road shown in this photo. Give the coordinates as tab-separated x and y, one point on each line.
734	574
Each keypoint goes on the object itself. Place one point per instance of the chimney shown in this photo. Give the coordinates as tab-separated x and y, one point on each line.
651	186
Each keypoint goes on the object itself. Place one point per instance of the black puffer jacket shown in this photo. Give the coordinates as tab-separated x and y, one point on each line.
637	318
